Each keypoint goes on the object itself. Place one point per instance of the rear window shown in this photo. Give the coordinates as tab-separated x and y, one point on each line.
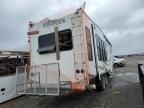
46	43
65	40
46	40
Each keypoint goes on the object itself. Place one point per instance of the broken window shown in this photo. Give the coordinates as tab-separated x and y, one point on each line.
101	47
65	40
47	44
89	45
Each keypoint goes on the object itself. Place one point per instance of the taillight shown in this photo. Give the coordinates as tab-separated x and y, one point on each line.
82	70
77	71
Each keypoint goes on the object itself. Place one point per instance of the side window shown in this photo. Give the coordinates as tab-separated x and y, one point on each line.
89	45
101	51
97	42
101	48
105	52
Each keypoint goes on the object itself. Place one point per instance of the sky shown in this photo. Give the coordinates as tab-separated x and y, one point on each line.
121	20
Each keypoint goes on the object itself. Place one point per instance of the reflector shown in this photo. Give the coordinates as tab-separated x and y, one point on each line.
77	71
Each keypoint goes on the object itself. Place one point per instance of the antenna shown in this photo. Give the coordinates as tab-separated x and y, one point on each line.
84	4
81	8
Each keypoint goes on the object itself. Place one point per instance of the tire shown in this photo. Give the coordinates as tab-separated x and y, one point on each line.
106	80
115	65
100	84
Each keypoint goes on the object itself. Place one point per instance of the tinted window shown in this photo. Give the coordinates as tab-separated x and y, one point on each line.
101	48
46	43
46	40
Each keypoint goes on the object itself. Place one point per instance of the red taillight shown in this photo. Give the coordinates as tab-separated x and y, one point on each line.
82	71
77	71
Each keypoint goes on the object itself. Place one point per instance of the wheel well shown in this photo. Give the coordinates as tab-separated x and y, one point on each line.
115	64
106	73
100	82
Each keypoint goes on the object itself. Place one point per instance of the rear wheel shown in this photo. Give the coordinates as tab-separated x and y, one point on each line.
106	80
115	65
100	83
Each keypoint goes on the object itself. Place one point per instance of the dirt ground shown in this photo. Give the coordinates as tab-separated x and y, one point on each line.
123	92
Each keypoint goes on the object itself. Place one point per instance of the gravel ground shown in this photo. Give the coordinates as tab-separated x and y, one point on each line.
123	92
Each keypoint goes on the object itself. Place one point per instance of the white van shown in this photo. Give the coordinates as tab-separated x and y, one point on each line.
118	62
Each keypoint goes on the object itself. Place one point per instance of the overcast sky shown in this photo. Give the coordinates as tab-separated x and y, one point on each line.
121	20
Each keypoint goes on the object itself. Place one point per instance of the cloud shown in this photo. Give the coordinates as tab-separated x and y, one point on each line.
121	20
16	14
123	23
136	18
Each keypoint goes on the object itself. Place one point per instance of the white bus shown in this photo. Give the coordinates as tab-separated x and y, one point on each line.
67	55
9	60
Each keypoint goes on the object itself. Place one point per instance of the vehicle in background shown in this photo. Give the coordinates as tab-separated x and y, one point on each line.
67	55
9	60
141	75
119	62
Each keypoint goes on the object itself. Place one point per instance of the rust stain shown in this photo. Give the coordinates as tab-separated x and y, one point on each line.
33	32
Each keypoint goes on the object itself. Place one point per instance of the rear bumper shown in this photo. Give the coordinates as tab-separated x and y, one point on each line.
65	88
71	88
40	81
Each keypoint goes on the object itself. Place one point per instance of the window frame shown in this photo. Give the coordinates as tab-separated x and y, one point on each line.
101	49
89	43
44	50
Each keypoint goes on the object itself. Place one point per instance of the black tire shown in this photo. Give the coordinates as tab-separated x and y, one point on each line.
100	84
115	65
106	80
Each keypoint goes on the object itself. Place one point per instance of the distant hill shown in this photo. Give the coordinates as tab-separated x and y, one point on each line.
128	55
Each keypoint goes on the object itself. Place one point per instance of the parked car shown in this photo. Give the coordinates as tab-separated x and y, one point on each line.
119	62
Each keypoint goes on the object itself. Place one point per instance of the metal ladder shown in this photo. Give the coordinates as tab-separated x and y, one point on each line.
79	62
